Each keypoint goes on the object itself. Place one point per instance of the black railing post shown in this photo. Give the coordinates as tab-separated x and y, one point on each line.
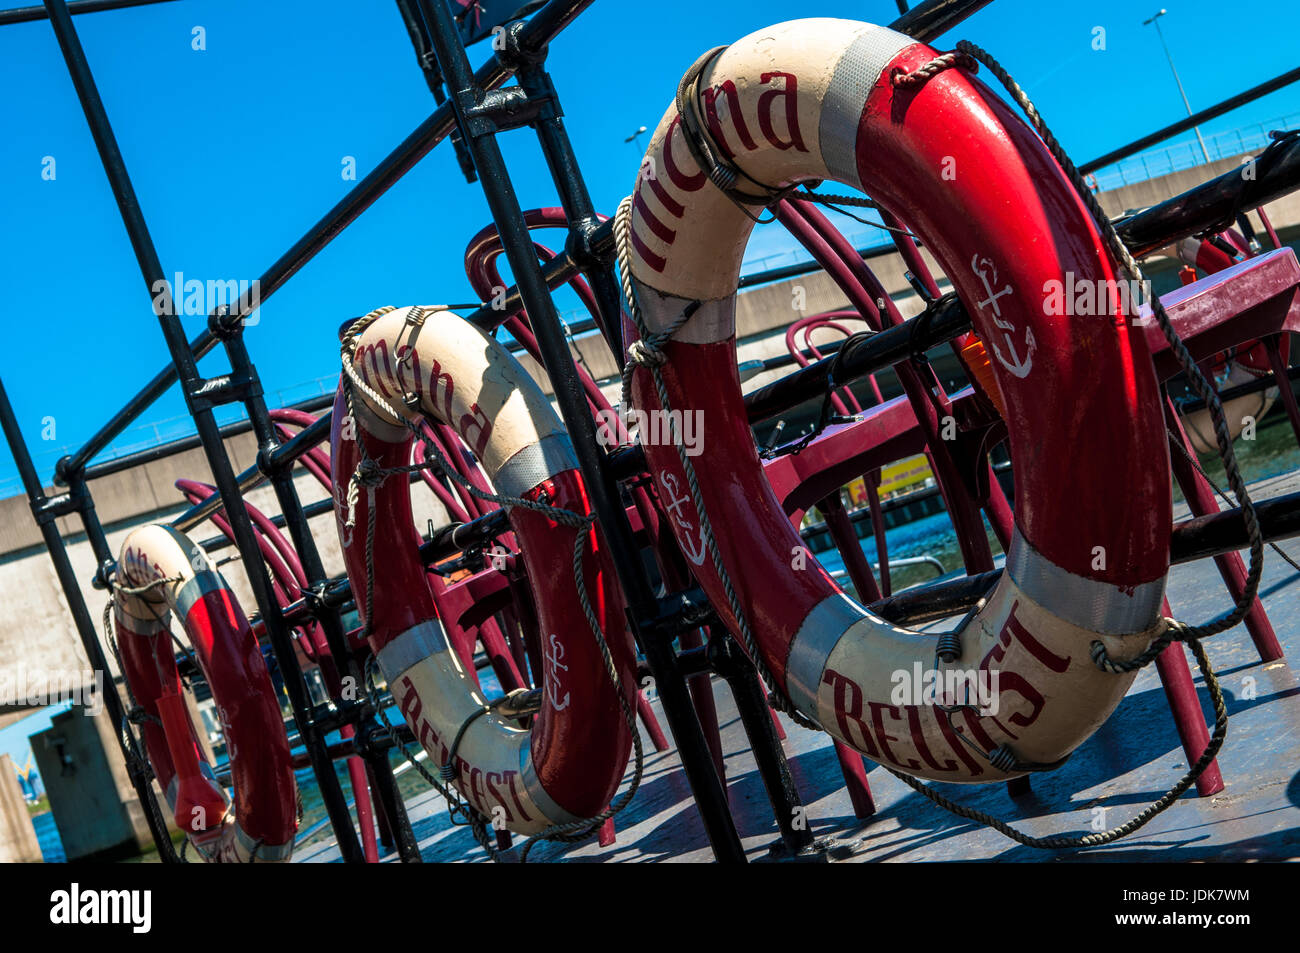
104	560
281	477
730	661
575	199
598	268
479	129
428	63
205	423
140	776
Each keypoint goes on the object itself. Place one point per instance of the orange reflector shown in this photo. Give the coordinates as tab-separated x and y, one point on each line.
980	370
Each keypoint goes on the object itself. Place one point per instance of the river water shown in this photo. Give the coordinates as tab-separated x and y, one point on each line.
1273	452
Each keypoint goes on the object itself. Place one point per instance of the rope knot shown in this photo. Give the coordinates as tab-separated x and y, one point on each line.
646	353
1174	631
369	473
905	80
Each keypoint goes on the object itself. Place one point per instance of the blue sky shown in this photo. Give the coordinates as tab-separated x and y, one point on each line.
237	150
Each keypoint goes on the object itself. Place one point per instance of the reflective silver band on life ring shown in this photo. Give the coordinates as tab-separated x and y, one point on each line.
713	320
143	628
411	647
1090	604
856	73
533	785
534	463
259	851
812	645
195	589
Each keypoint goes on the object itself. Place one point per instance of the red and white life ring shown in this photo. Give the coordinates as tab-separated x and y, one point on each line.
266	796
815	100
568	765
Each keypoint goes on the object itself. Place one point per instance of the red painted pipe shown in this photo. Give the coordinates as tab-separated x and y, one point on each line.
1277	362
1189	719
1201	499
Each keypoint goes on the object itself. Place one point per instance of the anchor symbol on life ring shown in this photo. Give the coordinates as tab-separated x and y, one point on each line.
674	503
988	274
557	653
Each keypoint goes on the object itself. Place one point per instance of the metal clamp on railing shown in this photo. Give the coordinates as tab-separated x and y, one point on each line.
679	612
47	509
514	51
499	110
225	324
210	392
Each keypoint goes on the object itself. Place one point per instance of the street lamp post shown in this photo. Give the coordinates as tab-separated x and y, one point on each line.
636	137
1188	106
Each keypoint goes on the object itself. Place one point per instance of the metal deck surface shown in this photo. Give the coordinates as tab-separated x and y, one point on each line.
1132	760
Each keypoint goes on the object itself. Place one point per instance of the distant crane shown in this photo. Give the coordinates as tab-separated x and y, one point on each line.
28	779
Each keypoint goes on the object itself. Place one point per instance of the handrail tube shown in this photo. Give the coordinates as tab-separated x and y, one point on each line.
1214	205
191	442
940	322
32	14
1173	129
